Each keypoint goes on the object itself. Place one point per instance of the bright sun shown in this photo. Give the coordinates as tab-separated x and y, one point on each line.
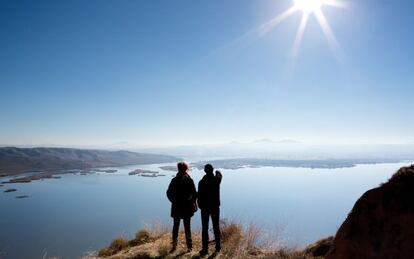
308	6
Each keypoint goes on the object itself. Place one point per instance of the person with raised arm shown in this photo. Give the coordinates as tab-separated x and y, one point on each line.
208	199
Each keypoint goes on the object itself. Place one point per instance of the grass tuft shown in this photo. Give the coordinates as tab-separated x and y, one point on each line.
116	245
142	236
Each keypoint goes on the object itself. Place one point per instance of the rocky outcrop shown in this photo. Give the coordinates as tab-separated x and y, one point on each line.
381	223
319	249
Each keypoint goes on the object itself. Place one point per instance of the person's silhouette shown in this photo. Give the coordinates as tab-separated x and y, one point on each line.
182	195
209	204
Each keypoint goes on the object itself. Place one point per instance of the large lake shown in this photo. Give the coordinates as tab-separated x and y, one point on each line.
77	213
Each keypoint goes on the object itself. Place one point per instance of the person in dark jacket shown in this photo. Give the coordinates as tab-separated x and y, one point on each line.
209	204
182	195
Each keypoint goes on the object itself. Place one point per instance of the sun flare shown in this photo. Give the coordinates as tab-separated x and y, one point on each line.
308	6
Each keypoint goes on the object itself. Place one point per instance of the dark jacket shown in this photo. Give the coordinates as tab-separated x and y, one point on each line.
209	191
182	195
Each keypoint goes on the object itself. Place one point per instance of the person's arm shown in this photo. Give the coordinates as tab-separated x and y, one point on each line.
199	202
171	192
193	191
219	176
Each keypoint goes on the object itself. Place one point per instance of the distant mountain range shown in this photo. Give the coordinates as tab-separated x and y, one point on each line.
286	149
19	160
269	141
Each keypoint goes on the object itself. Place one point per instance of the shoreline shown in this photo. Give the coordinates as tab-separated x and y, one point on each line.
28	175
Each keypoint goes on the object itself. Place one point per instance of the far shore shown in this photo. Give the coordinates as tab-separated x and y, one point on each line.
28	177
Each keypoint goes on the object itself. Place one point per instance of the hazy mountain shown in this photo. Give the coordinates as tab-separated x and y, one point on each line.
263	141
17	160
286	149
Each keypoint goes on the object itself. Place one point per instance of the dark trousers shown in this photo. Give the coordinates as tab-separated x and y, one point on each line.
187	230
215	218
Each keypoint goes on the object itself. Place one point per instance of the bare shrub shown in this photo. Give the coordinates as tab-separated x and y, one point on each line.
158	229
230	230
163	248
116	245
143	236
252	236
244	241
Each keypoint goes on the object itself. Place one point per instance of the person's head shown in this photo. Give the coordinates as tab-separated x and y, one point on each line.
208	168
182	167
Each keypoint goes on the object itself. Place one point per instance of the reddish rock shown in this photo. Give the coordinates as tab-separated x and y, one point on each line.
381	223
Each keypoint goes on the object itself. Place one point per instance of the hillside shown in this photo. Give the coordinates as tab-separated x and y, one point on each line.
238	242
19	160
381	223
380	226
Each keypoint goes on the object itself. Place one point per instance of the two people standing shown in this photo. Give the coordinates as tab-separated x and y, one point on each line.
184	198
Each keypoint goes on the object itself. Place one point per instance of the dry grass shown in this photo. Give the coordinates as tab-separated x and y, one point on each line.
164	248
158	229
238	241
247	241
142	236
116	245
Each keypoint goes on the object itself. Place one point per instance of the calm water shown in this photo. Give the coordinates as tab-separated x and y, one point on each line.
68	216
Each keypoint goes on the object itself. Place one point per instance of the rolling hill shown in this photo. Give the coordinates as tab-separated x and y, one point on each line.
15	160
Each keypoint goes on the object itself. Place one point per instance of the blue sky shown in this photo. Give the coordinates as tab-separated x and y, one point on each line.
169	72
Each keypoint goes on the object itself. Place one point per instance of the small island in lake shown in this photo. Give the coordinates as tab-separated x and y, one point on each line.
22	196
86	172
108	171
35	177
145	173
171	168
149	175
10	190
